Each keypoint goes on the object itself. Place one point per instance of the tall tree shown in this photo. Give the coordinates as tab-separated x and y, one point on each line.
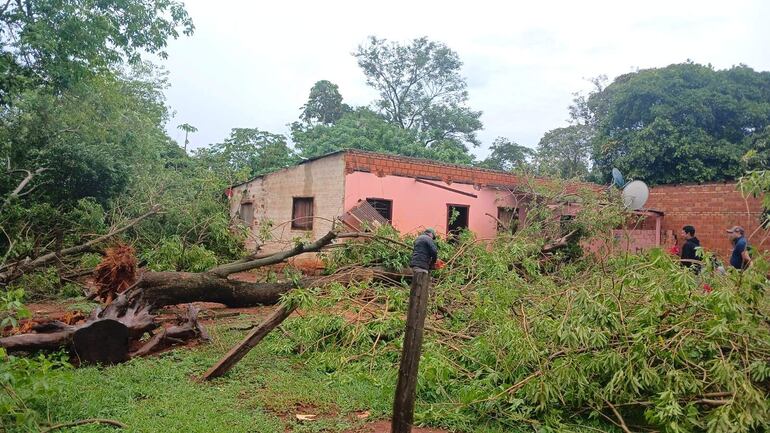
90	138
324	106
507	155
188	129
682	123
565	152
421	89
246	153
57	42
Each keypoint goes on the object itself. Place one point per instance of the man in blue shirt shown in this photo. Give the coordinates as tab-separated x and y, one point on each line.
740	258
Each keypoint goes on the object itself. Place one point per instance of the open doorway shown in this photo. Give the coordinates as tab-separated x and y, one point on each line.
457	219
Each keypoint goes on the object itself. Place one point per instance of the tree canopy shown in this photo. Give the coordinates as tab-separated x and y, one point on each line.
57	42
421	89
682	123
565	152
246	153
324	104
507	155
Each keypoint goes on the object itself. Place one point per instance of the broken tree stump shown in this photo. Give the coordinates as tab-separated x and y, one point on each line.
403	402
252	339
101	342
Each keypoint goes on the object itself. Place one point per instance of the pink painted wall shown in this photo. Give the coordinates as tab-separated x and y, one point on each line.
417	205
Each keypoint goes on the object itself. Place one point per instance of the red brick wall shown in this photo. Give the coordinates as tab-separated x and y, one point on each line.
384	165
711	209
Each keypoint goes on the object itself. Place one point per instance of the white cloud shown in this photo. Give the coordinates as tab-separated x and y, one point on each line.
251	64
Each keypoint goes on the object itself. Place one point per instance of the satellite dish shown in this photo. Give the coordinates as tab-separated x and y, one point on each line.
635	195
617	178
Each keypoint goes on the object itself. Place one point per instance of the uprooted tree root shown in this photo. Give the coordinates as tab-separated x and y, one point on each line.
114	333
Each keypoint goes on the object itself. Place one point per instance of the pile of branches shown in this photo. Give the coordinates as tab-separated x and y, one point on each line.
631	343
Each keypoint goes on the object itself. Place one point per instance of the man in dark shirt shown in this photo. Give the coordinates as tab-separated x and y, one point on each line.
425	251
689	254
740	258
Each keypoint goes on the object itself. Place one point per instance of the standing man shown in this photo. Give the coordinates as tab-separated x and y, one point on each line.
740	258
425	251
689	254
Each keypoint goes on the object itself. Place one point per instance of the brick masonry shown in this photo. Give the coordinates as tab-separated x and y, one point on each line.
711	209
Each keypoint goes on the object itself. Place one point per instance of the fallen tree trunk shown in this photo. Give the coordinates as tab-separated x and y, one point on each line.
109	334
170	288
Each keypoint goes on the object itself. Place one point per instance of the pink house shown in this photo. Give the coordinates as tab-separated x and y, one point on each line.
410	193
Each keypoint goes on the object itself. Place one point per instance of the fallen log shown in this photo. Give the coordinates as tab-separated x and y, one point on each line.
252	339
125	320
171	288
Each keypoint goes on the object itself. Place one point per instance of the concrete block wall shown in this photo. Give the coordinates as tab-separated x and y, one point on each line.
711	208
272	198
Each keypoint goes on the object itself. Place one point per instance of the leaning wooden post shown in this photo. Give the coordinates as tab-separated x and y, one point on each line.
403	403
252	339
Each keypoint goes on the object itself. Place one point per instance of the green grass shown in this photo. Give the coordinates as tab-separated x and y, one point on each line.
261	394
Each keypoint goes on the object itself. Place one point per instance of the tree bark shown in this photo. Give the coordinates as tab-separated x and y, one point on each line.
403	402
252	339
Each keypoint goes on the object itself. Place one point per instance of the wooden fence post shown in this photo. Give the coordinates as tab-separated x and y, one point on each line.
403	403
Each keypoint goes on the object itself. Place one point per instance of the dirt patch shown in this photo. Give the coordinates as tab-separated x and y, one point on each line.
384	427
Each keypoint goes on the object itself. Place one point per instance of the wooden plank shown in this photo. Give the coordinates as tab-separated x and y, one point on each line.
437	185
403	402
252	339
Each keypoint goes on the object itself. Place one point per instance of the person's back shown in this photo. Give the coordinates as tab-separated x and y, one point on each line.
739	259
425	252
736	258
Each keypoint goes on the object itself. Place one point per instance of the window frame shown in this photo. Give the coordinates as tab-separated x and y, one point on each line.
515	217
390	207
295	225
250	220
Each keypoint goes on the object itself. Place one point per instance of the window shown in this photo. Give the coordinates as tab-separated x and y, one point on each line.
246	213
509	217
302	213
457	220
383	207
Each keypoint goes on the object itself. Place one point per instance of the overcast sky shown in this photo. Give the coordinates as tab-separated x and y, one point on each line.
252	63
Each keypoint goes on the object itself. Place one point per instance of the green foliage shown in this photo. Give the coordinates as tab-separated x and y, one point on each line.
40	285
565	152
421	89
324	105
682	123
757	184
514	339
172	254
507	155
195	210
12	308
21	380
90	139
377	252
366	130
758	155
247	153
56	43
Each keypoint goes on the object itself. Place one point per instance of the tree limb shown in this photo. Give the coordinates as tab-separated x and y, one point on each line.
84	422
231	268
14	270
19	190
